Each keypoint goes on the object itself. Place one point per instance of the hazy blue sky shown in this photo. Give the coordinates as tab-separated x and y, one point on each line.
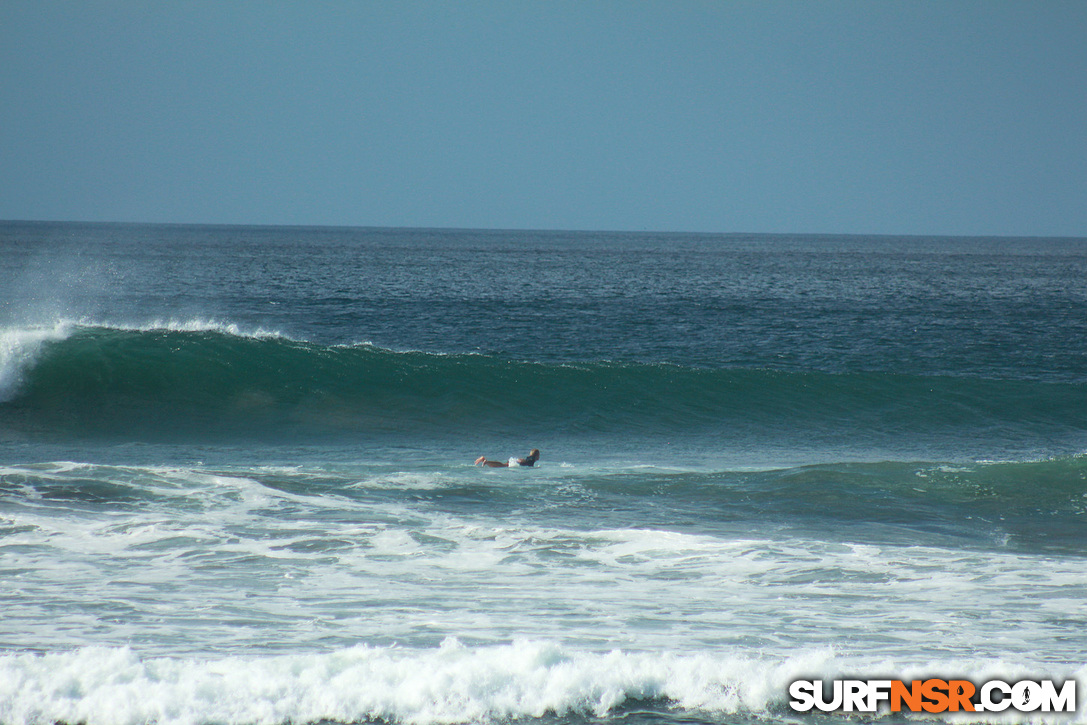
854	117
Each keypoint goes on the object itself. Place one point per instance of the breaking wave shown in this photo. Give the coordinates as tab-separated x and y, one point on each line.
446	685
201	379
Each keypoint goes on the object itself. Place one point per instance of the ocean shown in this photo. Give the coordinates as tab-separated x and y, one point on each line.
237	482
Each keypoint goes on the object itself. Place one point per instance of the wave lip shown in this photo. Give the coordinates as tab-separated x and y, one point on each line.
190	325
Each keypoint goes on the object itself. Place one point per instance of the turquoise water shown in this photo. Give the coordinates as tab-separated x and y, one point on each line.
236	480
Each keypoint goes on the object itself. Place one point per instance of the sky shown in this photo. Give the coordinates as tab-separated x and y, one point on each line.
837	117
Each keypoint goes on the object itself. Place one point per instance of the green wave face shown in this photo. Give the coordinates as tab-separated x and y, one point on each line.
211	383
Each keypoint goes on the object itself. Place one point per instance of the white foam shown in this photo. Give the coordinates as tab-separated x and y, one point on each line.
444	685
449	684
399	481
321	566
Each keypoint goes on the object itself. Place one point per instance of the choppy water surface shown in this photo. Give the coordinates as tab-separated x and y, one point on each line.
236	478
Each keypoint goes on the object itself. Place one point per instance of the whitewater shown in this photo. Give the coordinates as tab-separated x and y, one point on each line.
236	480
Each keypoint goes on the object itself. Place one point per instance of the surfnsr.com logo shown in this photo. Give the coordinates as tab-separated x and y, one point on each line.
933	695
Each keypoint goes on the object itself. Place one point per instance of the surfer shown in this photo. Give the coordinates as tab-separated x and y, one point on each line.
529	460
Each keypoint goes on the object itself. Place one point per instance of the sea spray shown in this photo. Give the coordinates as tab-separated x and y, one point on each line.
19	350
